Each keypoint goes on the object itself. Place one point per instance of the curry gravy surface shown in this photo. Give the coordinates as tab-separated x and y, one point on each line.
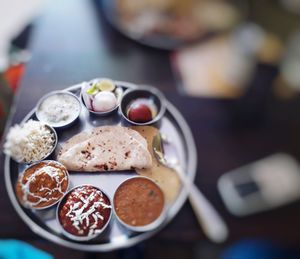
42	184
138	201
85	211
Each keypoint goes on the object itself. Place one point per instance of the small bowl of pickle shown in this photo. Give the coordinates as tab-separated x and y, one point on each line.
142	106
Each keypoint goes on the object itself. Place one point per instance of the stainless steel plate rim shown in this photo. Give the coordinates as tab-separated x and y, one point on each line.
106	247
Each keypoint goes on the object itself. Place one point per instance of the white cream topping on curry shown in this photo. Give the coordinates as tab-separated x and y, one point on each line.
85	212
42	185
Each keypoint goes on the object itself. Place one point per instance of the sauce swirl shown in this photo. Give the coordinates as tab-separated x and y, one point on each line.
85	211
42	184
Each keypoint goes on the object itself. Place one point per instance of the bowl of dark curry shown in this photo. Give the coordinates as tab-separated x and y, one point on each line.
139	204
42	184
84	213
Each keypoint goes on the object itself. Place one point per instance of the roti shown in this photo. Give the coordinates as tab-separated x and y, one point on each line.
107	148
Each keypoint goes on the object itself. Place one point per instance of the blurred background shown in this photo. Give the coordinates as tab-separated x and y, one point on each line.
232	68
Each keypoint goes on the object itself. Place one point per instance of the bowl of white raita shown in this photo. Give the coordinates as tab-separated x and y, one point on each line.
58	109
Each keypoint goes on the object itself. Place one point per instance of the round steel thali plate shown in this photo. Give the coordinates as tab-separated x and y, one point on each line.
43	222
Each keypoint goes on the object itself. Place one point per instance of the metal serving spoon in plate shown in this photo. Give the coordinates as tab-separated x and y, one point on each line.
213	225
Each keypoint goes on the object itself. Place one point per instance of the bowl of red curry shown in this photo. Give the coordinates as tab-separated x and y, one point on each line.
84	213
139	204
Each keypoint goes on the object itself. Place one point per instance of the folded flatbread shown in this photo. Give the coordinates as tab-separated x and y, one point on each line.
107	148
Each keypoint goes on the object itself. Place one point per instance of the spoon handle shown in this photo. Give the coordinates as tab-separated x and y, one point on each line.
213	225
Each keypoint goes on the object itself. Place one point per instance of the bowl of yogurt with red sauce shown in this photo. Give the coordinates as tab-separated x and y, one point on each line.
58	109
84	213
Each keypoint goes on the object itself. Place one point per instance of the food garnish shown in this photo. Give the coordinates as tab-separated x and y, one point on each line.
101	95
106	85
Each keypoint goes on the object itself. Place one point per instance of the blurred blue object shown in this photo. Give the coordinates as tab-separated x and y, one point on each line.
14	249
258	249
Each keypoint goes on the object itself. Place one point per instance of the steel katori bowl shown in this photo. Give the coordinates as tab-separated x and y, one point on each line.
152	94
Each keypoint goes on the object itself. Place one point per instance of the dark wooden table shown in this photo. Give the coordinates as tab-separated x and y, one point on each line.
71	42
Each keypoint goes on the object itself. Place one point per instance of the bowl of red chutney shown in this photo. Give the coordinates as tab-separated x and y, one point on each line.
139	204
84	213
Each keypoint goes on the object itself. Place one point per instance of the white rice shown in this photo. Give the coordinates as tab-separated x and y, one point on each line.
29	142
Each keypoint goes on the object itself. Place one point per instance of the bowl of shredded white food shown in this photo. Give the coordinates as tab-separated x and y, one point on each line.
30	142
58	109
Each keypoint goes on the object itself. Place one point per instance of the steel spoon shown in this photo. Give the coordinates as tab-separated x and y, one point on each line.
213	225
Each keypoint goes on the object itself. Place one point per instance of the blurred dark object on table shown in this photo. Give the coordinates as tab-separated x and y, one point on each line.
291	5
6	96
171	24
274	17
220	65
10	78
259	249
224	66
9	81
289	68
